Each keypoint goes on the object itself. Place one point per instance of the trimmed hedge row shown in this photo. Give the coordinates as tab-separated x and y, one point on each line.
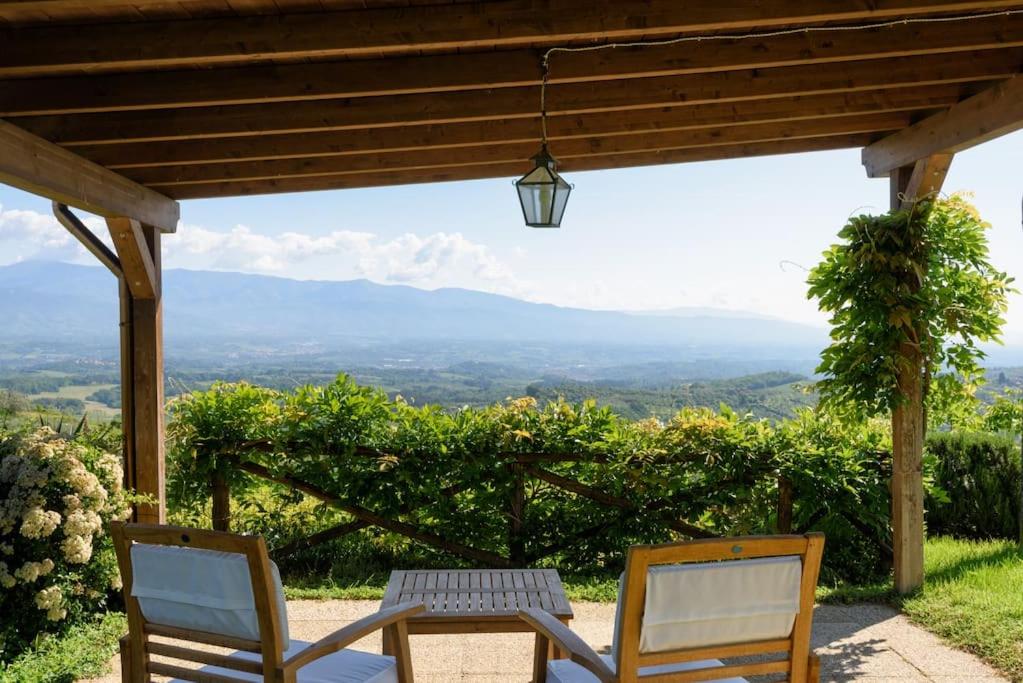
979	473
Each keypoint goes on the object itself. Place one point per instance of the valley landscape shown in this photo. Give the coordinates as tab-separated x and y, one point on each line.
445	347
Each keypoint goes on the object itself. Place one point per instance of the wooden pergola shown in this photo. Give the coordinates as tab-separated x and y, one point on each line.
122	107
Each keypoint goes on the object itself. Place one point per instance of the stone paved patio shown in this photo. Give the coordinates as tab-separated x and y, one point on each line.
868	643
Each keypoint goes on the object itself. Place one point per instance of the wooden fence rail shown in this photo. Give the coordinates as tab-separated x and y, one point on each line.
520	467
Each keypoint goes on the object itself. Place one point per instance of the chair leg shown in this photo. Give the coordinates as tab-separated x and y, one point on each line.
813	673
396	637
540	657
125	649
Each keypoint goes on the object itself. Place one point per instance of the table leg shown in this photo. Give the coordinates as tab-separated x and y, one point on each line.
540	657
389	644
399	643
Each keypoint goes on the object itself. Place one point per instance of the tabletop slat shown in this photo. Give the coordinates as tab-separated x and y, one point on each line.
478	593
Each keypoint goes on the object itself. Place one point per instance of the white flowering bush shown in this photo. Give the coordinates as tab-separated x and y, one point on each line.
57	563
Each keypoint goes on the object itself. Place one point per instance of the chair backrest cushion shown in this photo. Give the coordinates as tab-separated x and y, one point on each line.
202	590
720	603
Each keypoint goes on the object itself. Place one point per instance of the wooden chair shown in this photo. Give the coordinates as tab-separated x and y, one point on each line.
682	607
210	588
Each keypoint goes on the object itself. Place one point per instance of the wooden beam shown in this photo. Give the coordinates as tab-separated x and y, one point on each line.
64	5
507	169
511	103
166	177
985	116
484	133
38	166
136	260
507	23
445	73
268	83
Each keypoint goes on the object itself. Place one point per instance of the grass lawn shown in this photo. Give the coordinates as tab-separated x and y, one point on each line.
973	597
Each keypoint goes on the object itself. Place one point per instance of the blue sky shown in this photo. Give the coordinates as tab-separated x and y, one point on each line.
730	234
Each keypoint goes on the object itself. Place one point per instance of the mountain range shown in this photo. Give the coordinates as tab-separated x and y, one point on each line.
60	301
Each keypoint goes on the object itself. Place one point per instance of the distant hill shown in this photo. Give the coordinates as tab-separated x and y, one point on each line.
702	311
71	302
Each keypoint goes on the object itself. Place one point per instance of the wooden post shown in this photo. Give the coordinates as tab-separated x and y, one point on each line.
1019	510
516	515
138	247
907	488
221	494
784	505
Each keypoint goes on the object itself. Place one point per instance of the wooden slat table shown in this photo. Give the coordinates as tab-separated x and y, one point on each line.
479	601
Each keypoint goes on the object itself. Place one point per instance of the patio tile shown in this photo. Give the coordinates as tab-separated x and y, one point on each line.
857	644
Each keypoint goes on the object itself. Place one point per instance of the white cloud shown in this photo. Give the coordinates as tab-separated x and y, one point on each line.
17	225
41	236
435	260
439	259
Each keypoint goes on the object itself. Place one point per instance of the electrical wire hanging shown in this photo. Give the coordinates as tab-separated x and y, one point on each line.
545	61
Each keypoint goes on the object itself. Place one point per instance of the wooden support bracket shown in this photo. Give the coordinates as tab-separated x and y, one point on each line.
136	258
926	179
88	239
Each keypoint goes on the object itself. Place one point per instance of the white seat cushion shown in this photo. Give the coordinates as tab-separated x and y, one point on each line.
567	671
200	590
346	666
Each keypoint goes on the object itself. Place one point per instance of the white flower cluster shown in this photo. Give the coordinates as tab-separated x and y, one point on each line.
30	571
39	523
77	549
52	601
7	579
53	508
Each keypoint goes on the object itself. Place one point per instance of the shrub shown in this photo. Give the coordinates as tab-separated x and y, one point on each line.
840	472
495	478
56	562
980	473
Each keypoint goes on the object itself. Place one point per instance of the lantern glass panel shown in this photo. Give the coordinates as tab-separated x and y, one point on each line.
560	201
544	196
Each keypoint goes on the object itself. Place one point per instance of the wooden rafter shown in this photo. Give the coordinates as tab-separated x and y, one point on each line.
509	169
444	73
566	150
507	23
511	103
330	142
990	114
36	165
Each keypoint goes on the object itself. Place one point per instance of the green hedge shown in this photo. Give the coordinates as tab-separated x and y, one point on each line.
979	473
453	475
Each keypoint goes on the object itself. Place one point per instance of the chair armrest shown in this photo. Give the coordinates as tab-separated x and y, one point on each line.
354	631
563	637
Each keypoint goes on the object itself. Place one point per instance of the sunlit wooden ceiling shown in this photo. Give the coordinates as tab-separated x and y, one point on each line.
210	98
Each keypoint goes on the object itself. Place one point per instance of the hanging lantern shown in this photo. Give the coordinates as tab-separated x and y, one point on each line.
543	193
